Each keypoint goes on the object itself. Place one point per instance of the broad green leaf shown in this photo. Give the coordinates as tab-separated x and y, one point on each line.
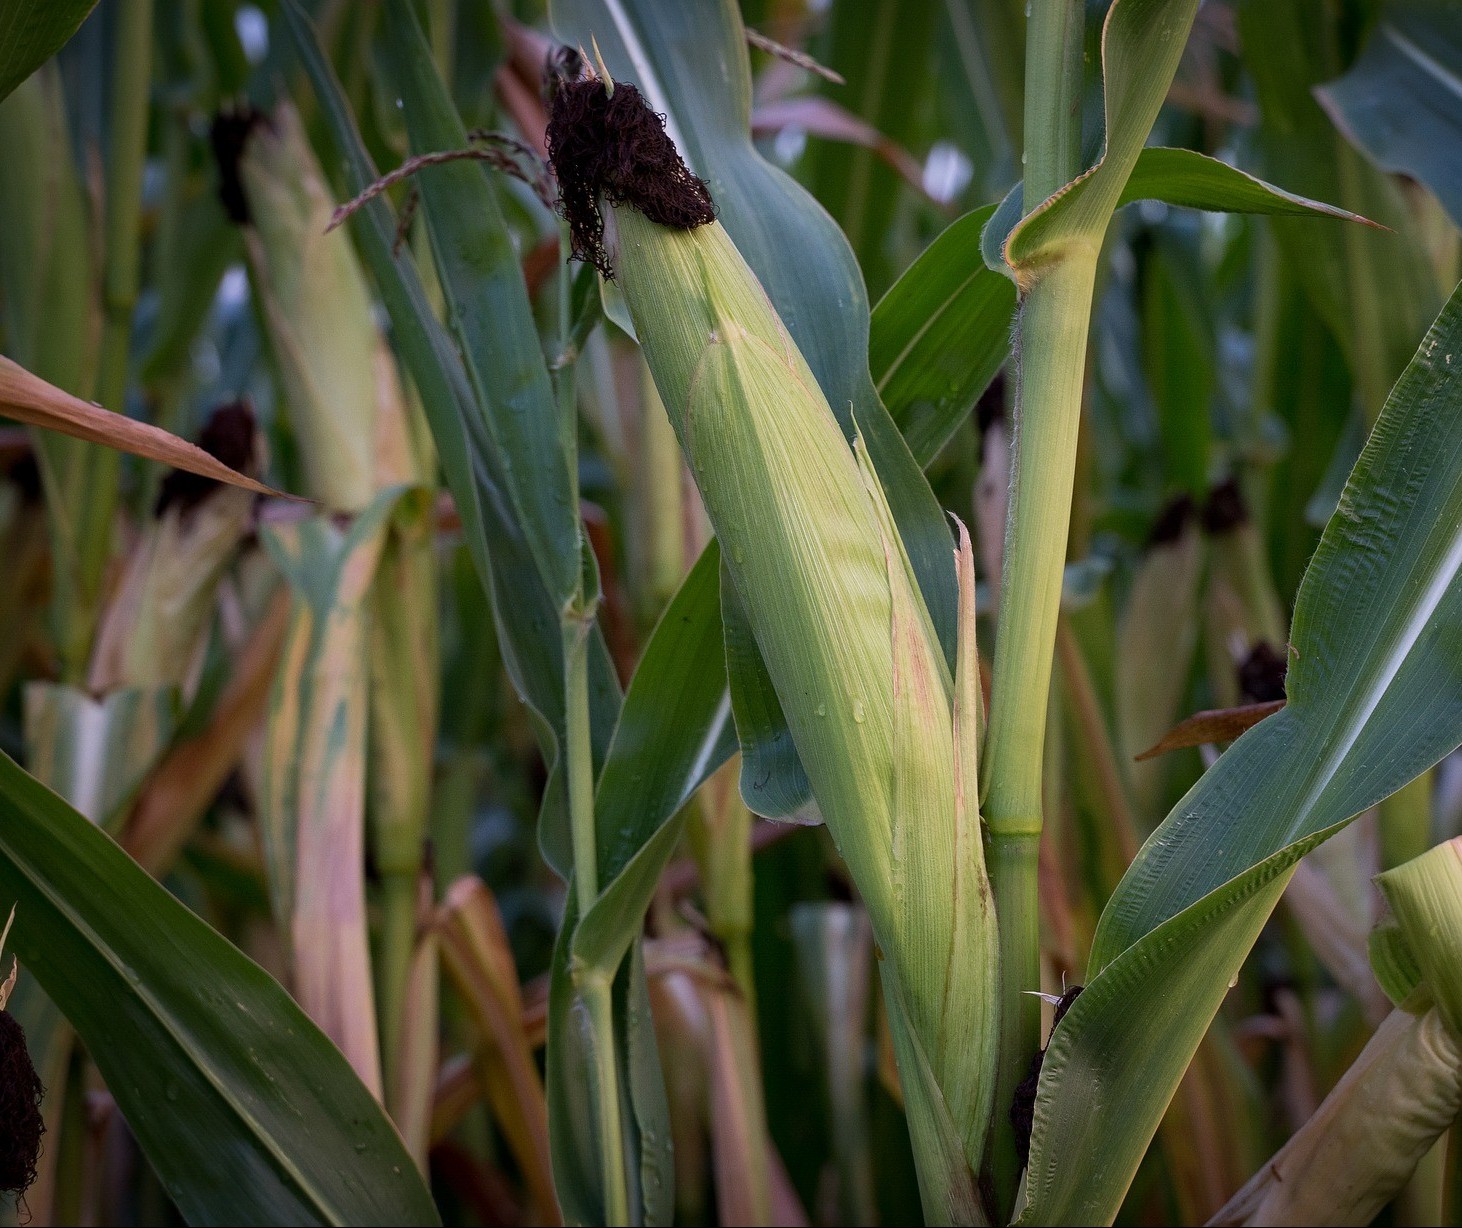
32	31
1181	177
247	1112
939	336
650	773
1401	101
482	281
1375	697
1193	180
526	613
1373	288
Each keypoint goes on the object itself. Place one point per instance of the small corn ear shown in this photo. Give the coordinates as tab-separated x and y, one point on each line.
318	310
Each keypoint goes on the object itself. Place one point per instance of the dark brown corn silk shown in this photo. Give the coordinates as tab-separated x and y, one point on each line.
1172	521
612	147
1261	674
1225	509
1023	1105
229	437
229	134
21	1125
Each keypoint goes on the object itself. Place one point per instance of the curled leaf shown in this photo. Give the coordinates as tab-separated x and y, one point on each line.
1211	725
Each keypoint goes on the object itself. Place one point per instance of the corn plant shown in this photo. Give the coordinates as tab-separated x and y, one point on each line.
591	634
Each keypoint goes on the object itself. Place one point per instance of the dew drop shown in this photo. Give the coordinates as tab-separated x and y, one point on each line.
859	713
821	709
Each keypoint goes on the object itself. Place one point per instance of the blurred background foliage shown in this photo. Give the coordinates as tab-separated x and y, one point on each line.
248	695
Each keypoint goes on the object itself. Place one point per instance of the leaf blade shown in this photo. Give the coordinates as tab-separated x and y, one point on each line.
1374	699
225	1082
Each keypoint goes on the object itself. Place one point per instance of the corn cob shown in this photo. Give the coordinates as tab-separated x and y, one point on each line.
886	736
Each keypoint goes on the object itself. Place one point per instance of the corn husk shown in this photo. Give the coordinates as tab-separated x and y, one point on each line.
152	632
886	736
1386	1114
318	312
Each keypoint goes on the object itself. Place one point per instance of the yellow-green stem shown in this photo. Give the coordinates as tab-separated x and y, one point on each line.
393	968
1406	822
578	761
597	993
1054	47
594	987
1051	339
132	68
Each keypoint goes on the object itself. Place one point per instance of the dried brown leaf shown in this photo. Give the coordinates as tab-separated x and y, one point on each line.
28	398
1212	725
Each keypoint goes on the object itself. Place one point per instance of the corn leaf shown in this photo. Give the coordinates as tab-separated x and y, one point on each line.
1182	177
32	31
1387	1112
648	776
28	398
526	612
312	804
477	265
773	783
939	336
96	752
577	1177
247	1112
1425	895
1375	697
476	952
1401	101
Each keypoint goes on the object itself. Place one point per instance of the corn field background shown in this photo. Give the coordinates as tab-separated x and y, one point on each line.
682	611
